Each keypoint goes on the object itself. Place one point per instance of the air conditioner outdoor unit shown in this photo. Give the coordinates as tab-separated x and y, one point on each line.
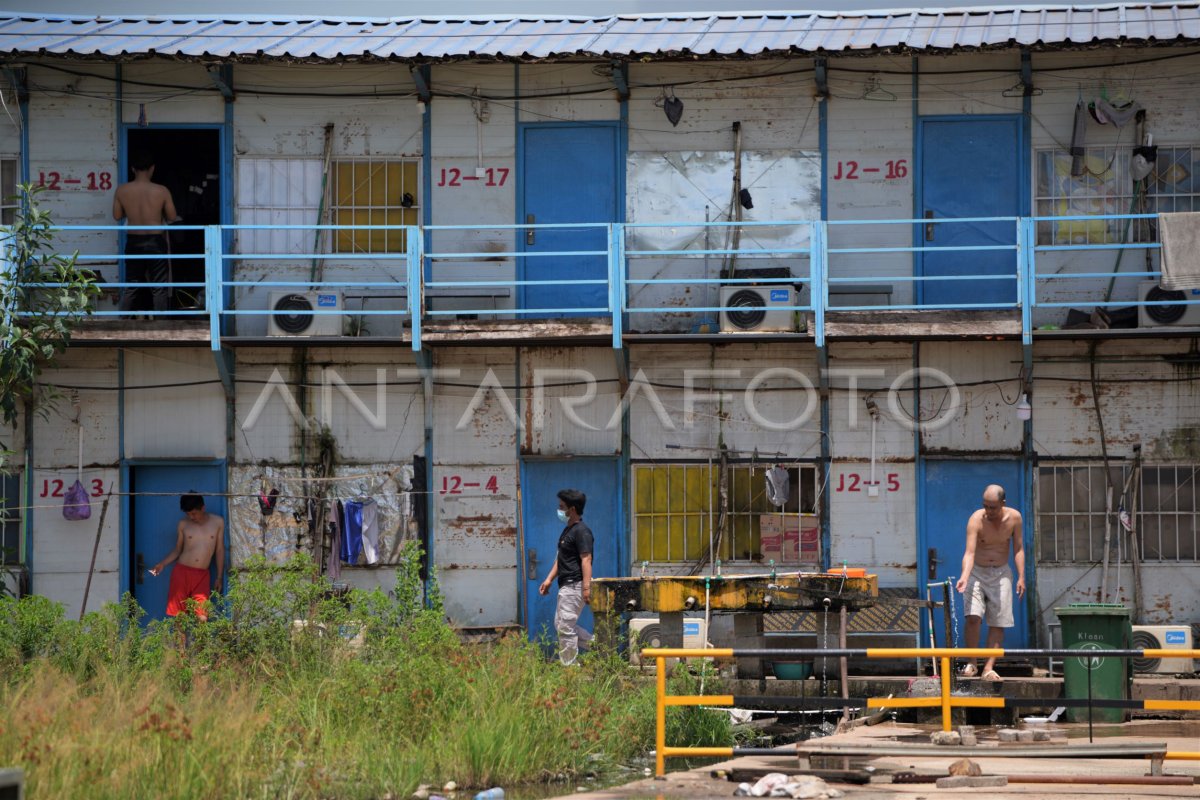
298	319
1163	637
645	632
1164	316
747	309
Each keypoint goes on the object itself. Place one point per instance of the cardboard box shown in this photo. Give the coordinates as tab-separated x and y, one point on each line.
786	542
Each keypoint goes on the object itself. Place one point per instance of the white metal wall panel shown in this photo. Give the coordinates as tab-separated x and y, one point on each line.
986	375
1171	592
370	424
944	89
552	378
1145	400
55	435
859	372
871	173
474	425
168	104
540	83
73	146
476	542
777	111
694	433
272	435
877	532
176	418
62	548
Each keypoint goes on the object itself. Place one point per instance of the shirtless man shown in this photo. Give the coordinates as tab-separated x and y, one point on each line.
143	202
200	537
986	581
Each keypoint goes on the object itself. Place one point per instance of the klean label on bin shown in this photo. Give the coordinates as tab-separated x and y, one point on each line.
1176	637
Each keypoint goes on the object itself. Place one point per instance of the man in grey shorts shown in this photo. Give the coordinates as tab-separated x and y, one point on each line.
986	582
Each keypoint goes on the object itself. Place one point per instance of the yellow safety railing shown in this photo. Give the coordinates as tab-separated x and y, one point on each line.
946	701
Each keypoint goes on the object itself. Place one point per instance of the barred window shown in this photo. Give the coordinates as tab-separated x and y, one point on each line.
10	519
1071	506
1105	187
677	508
373	192
8	190
279	191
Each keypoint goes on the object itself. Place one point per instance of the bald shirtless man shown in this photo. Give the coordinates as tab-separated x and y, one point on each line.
201	536
986	581
143	202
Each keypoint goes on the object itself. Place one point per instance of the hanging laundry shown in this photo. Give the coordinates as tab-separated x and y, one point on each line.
333	564
1107	113
1078	145
360	531
266	502
778	486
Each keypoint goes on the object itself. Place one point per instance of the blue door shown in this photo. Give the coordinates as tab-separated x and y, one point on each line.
541	481
569	175
154	509
952	491
970	167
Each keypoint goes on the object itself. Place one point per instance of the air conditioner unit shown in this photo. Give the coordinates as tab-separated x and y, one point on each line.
298	318
1163	637
646	632
754	309
1164	316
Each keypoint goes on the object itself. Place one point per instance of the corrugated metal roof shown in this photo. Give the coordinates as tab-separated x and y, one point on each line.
419	39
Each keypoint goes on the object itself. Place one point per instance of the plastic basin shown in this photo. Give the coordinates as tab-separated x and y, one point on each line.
792	670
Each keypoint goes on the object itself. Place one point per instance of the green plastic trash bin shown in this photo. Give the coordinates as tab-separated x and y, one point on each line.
1093	627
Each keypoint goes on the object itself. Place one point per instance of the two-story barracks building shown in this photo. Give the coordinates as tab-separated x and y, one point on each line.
856	133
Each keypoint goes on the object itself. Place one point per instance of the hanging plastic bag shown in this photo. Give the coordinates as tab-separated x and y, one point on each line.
76	504
778	486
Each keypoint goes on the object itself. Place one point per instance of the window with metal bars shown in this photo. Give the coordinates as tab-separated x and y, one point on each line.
373	192
8	190
677	511
1105	187
1072	522
10	520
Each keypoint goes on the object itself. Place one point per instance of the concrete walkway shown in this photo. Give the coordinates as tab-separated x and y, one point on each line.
1179	736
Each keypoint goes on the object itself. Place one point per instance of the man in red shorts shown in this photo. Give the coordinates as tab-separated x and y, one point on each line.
201	537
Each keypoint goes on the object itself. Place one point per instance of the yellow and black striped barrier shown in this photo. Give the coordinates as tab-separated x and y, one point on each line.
946	701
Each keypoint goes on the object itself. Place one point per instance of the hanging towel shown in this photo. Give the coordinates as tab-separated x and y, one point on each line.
370	531
352	531
1078	146
1180	238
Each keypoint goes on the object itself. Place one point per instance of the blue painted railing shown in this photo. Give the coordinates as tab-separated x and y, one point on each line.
648	287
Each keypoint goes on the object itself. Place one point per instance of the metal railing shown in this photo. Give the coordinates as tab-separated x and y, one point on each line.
946	700
671	280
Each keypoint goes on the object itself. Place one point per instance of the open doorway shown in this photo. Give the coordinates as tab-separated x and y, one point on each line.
187	162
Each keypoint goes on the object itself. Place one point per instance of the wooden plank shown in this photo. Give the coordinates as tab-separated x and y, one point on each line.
95	332
939	324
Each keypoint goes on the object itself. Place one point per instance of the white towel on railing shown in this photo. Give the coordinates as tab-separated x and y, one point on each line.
1179	235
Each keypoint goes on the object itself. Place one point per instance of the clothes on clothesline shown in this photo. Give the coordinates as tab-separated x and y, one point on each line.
333	564
360	531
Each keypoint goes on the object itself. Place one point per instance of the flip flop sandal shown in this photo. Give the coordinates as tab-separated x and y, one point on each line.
992	676
969	671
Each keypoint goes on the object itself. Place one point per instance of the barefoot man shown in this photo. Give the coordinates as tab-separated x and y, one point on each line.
143	202
986	582
201	536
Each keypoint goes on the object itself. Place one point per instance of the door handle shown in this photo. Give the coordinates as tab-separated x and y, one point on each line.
929	226
530	233
141	568
933	563
531	563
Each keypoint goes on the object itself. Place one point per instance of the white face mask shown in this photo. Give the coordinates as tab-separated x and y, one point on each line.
562	515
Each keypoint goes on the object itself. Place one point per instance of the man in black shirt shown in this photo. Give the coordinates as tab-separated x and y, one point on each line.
573	568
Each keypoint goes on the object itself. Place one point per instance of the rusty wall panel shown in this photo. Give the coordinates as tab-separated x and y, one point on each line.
986	419
485	434
683	435
870	368
475	549
552	378
1147	394
547	79
1171	592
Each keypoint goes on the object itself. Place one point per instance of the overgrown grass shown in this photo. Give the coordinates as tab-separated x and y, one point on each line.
250	705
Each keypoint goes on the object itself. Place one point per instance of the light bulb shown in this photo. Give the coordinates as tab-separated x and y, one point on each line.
1024	410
